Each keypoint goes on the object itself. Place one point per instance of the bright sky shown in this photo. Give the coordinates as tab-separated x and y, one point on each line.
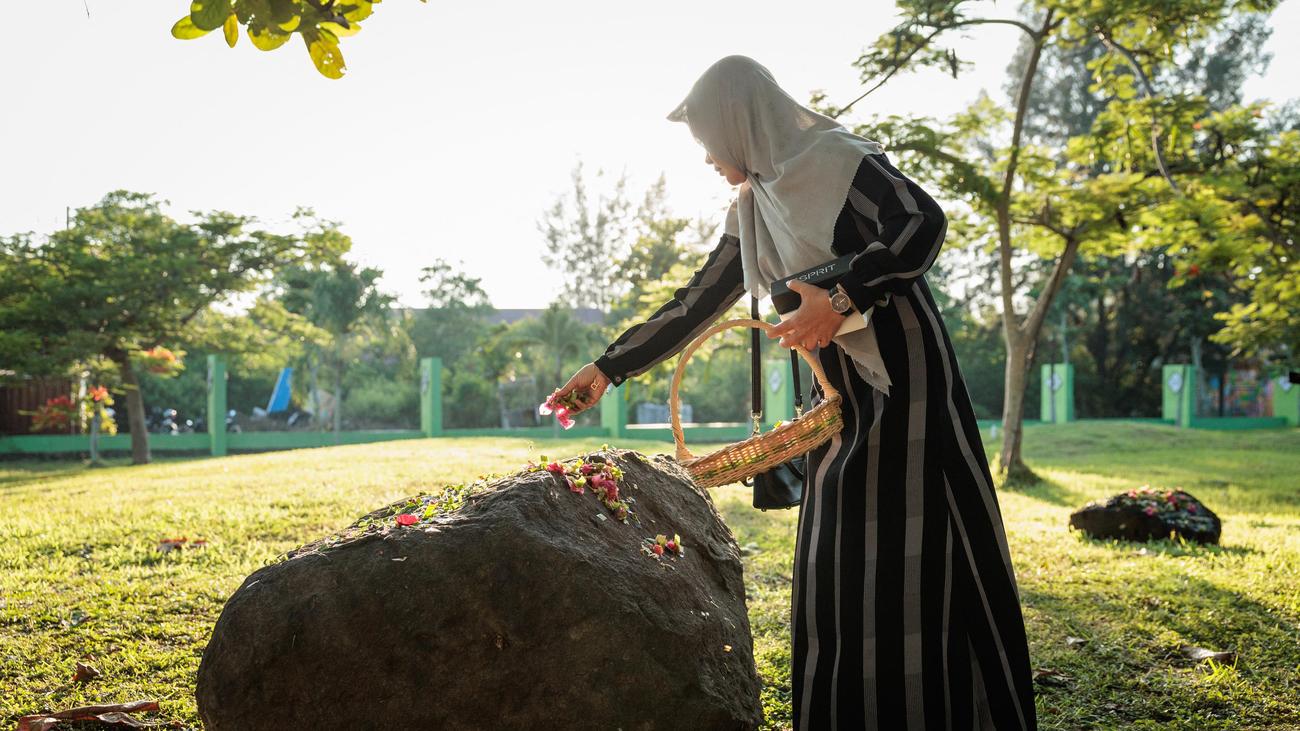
456	125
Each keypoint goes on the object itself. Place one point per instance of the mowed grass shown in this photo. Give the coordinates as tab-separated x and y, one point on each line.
81	574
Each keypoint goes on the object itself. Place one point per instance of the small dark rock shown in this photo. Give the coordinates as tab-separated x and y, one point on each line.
514	609
1145	514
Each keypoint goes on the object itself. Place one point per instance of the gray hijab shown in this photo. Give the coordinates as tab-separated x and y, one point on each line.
798	165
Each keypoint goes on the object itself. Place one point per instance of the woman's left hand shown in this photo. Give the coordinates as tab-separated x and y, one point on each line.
814	323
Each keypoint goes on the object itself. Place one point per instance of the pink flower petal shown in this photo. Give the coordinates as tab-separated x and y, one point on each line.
407	519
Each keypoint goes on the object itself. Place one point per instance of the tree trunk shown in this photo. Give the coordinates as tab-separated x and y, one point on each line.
134	409
1010	463
94	435
338	392
1021	339
318	422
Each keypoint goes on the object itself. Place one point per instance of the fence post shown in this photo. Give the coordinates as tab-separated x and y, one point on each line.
1286	399
778	399
1179	401
431	396
613	413
217	405
1057	405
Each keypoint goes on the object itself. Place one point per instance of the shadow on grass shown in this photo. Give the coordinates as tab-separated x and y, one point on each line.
14	475
1171	547
1126	664
1044	489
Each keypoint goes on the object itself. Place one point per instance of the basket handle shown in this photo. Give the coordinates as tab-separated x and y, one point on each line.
674	402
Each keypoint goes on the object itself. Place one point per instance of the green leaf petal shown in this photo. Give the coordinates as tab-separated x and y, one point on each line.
185	30
209	14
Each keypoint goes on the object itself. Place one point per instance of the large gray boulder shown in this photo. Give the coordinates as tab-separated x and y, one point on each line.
514	604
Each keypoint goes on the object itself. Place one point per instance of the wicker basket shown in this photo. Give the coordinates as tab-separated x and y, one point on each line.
760	452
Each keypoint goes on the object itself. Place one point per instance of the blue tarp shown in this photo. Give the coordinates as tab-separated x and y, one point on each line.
280	395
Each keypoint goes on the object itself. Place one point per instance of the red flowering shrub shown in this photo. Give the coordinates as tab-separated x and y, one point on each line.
53	415
161	361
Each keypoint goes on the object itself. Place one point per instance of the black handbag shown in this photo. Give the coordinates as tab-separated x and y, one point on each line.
782	486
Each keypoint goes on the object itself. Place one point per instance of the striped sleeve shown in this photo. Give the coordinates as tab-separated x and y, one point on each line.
714	288
896	228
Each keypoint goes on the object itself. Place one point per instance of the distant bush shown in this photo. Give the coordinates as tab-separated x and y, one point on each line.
469	401
383	404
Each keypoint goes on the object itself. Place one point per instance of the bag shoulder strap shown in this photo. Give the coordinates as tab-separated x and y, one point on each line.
756	373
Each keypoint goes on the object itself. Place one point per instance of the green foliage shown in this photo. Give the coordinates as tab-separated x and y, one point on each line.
271	23
469	400
122	278
456	322
383	403
652	386
585	240
1099	184
344	304
550	343
1249	203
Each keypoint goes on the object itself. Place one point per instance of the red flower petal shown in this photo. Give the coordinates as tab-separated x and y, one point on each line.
407	519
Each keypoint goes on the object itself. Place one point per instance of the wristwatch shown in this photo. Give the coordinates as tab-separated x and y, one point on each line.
840	301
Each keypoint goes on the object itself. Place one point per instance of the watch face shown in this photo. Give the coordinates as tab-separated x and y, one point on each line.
840	302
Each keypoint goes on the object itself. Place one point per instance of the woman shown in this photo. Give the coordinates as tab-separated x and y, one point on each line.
905	607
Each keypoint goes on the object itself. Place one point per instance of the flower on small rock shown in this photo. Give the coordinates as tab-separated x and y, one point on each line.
407	519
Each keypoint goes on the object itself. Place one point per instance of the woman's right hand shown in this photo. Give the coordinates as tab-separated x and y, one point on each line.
587	385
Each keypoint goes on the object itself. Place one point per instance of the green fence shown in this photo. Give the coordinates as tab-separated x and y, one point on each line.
1057	399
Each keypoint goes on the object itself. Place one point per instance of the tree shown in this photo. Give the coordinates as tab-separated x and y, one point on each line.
336	296
456	319
554	338
271	23
1032	198
585	241
121	279
1250	201
1120	313
341	299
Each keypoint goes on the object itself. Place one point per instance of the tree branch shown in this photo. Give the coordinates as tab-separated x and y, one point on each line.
1034	322
1111	44
898	66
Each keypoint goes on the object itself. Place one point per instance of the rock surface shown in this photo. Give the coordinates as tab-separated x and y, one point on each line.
523	605
1145	514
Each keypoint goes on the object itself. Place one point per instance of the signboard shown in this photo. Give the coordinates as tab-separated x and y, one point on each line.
1176	381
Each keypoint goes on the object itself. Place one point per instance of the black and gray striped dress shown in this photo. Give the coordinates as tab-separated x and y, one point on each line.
905	609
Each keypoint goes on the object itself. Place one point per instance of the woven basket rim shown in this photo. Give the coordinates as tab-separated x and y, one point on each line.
820	412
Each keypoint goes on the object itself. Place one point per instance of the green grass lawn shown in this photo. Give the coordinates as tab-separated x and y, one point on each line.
80	572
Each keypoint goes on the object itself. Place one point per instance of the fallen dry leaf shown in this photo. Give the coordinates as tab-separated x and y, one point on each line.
1200	654
168	545
1047	676
110	715
85	672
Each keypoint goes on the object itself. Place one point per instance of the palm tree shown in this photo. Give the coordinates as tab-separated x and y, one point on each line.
556	334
